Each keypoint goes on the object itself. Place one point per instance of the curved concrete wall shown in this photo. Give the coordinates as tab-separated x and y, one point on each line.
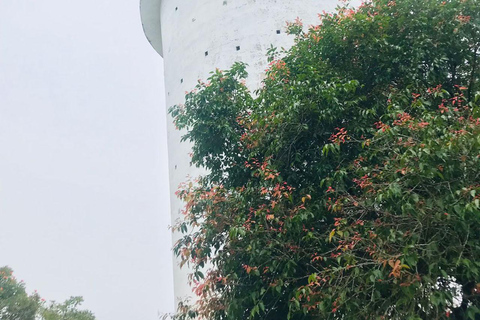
150	14
198	36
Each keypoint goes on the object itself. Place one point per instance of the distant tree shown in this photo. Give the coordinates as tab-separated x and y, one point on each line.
16	304
348	186
66	311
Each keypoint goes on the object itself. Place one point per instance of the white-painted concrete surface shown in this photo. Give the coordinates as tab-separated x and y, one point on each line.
195	37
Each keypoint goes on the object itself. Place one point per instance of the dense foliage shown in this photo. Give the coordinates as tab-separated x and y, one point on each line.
348	186
17	304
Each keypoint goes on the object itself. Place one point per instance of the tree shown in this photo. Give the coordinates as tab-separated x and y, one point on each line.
16	304
348	186
66	311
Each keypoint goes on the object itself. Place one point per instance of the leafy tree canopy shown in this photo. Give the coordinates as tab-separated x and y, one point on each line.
348	186
16	304
66	310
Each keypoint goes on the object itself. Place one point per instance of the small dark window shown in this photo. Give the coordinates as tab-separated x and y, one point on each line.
238	48
206	53
181	80
176	8
175	167
278	31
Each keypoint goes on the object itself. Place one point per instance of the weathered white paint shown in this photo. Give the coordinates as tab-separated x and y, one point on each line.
229	30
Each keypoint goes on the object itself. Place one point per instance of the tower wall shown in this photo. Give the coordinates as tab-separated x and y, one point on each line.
197	36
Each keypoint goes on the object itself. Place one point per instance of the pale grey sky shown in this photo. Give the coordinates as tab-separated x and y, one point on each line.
83	166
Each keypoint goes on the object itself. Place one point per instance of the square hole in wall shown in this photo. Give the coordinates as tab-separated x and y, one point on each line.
278	31
181	80
206	53
176	8
238	48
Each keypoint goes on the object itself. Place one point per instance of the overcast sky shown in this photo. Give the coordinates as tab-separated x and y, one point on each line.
83	162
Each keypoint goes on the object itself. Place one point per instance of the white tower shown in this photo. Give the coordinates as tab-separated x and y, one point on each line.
196	36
